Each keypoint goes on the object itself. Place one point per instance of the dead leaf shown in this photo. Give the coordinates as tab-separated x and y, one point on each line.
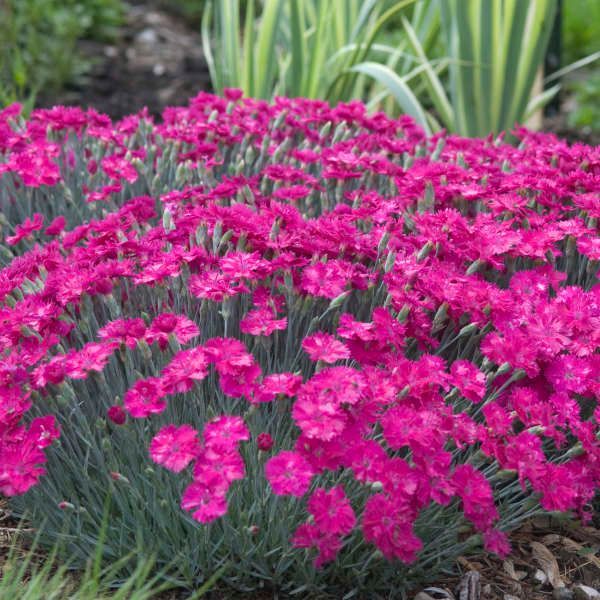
548	563
469	587
465	562
437	593
575	547
551	538
513	576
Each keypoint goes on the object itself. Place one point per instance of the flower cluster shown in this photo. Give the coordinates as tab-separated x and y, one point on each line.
425	311
218	462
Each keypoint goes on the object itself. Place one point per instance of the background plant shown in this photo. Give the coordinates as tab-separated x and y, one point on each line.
474	75
586	112
580	29
38	43
493	52
581	37
297	48
30	573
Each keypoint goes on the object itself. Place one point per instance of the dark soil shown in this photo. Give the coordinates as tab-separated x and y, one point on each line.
558	125
155	61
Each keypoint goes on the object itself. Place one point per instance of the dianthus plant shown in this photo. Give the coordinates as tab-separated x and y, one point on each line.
290	299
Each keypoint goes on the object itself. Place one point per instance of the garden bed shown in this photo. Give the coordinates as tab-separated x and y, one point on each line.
304	348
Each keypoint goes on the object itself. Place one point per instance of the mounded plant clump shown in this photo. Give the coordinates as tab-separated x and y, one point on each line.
255	331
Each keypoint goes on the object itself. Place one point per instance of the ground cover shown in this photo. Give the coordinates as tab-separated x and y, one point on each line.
266	330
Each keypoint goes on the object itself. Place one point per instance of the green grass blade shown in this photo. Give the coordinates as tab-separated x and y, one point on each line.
466	68
342	85
215	74
432	81
317	51
298	48
248	76
266	61
484	51
515	17
228	28
540	22
578	64
208	584
397	88
540	101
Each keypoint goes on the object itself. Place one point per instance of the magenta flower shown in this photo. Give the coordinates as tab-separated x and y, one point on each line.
145	398
225	432
166	324
324	347
124	331
219	464
92	357
56	226
276	385
117	415
117	168
497	542
289	474
332	511
241	265
175	447
309	535
186	368
327	280
389	527
26	229
468	379
207	503
261	322
264	441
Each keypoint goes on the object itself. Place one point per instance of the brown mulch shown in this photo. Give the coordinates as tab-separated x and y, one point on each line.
551	560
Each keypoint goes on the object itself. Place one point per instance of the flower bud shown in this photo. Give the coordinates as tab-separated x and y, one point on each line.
503	368
389	262
424	251
63	505
253	529
506	474
117	415
338	300
167	221
435	155
264	442
377	486
10	301
403	314
383	242
474	267
467	330
325	130
115	476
